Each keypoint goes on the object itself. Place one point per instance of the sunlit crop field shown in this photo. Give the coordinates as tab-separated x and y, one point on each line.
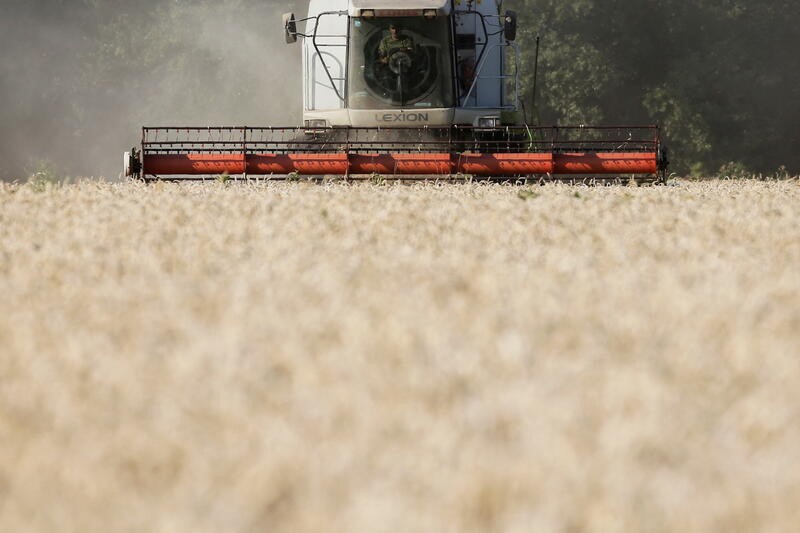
378	358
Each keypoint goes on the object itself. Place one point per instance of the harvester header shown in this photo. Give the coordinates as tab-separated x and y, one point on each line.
410	89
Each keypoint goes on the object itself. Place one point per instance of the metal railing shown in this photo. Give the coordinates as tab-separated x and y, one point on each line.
284	140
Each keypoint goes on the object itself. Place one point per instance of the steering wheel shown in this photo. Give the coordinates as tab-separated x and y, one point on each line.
399	61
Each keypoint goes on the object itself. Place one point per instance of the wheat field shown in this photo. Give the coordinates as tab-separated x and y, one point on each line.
382	358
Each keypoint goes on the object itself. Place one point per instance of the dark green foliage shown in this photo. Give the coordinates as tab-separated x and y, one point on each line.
723	77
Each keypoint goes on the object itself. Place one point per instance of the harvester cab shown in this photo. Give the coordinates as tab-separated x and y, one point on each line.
436	63
409	89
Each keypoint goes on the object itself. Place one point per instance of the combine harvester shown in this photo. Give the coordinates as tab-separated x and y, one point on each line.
405	89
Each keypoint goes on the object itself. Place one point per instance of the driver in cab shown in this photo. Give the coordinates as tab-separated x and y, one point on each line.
393	43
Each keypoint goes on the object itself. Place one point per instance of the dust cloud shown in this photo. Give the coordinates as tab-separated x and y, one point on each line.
78	79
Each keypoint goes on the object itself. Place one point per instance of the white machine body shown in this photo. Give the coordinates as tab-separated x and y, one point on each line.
446	62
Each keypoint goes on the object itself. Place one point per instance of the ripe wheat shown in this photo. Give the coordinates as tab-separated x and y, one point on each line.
297	357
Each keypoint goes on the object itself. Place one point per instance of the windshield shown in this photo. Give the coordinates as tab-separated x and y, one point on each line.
400	62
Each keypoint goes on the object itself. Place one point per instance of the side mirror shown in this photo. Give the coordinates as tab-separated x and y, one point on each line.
510	25
290	28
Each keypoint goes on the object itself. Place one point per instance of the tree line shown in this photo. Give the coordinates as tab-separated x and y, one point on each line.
79	77
722	76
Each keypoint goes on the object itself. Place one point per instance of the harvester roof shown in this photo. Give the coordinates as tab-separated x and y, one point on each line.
442	6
